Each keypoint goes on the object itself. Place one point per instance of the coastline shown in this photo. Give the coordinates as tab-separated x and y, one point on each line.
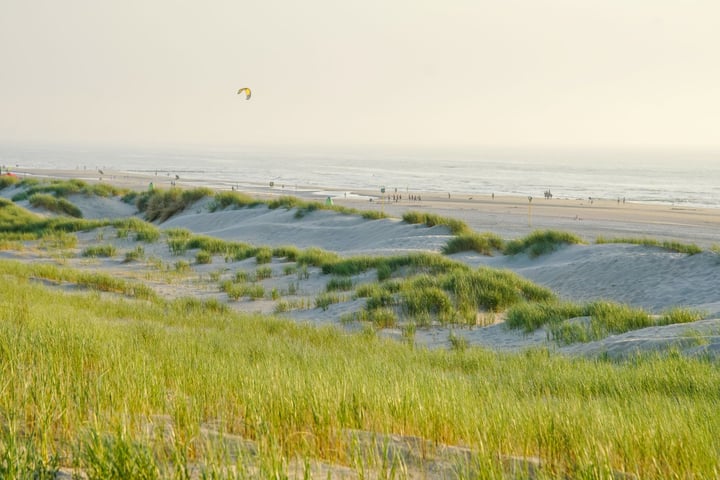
507	216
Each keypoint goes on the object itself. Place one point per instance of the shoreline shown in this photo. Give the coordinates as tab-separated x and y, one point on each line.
507	216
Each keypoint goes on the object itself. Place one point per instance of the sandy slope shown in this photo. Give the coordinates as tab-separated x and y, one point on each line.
345	234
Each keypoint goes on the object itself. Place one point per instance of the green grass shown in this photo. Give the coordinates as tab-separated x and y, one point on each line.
91	280
690	249
457	227
126	385
136	254
541	242
339	283
223	200
55	205
143	231
203	257
159	205
264	272
605	318
106	251
19	223
454	296
324	300
127	389
64	188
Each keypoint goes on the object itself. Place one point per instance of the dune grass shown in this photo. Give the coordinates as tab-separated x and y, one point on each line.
157	389
106	250
159	205
143	231
679	247
540	242
136	254
457	227
456	295
56	205
223	200
92	280
484	243
605	318
133	386
19	223
64	188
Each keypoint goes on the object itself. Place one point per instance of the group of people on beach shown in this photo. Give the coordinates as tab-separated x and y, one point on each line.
398	198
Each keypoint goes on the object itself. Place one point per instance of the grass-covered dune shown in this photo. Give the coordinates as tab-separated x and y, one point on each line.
126	388
127	351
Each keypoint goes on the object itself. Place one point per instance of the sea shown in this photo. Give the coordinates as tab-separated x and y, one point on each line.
674	177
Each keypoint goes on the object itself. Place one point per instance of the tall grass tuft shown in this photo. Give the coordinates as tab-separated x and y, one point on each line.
483	243
690	249
159	205
604	318
106	251
530	316
144	231
541	242
457	227
455	296
55	205
223	200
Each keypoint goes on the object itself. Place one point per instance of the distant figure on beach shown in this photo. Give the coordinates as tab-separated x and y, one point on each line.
448	195
493	195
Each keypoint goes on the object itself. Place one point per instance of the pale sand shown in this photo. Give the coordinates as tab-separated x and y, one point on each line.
640	276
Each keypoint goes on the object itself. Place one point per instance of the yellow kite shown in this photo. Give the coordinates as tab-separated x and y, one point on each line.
247	92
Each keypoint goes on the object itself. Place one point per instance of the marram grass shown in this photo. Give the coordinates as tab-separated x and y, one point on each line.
120	387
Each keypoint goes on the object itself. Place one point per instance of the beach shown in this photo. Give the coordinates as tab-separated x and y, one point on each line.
507	216
648	277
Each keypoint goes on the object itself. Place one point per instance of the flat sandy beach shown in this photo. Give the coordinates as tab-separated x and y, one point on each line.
647	277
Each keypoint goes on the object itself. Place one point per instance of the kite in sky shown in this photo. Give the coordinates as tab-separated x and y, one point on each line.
247	92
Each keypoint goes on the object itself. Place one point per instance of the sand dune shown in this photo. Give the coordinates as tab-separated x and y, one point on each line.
642	276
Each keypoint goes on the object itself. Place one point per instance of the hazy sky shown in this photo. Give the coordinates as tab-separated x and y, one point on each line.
374	72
